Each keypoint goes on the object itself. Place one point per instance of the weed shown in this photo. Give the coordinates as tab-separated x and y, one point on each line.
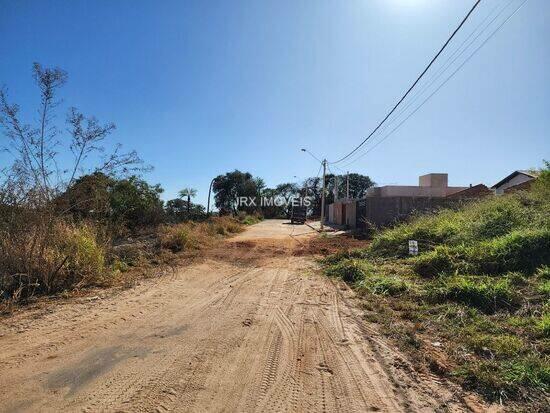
520	250
543	272
384	285
485	293
544	288
506	377
119	266
495	346
350	270
250	220
343	255
191	235
543	325
440	260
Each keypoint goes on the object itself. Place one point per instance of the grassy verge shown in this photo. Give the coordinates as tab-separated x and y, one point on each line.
475	304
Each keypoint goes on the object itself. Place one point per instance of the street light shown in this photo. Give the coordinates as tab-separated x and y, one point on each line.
209	191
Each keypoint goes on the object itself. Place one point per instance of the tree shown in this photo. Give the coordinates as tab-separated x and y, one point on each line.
177	211
260	185
358	185
40	170
287	191
188	193
136	203
88	197
46	157
229	187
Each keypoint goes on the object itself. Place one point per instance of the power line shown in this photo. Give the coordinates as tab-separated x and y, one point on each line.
441	85
319	171
446	65
414	84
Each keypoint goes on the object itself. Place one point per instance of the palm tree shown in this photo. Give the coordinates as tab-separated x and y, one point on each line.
189	193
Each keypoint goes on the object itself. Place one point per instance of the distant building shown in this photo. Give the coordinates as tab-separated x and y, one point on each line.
473	192
516	178
386	204
433	185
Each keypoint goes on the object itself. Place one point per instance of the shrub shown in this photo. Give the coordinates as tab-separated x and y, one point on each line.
85	257
520	250
485	293
49	256
119	266
441	260
543	272
506	376
178	237
543	325
544	288
384	285
191	235
250	219
350	270
225	225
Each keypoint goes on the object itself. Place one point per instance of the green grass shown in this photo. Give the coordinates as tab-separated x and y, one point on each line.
499	379
543	272
543	325
250	220
349	269
481	286
384	285
544	288
520	250
485	293
477	222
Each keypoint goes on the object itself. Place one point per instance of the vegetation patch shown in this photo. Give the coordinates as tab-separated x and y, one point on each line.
485	293
474	305
196	235
351	270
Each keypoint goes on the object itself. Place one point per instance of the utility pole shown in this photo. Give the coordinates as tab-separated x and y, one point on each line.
323	195
347	186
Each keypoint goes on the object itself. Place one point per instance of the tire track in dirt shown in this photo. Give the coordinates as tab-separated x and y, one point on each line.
253	332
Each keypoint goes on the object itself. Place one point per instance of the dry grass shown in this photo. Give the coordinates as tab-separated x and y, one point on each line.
197	235
50	256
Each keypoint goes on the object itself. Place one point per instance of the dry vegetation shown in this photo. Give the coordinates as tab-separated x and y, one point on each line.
79	255
197	235
89	221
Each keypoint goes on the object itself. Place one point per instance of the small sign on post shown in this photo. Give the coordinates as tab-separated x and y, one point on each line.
413	247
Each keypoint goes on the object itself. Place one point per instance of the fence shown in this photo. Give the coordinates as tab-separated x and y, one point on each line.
382	211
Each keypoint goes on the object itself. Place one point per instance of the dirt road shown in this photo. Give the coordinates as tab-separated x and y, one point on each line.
252	328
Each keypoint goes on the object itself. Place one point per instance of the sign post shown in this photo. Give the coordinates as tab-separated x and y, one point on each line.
413	247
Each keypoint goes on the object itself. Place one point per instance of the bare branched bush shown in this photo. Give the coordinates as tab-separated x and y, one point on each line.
40	249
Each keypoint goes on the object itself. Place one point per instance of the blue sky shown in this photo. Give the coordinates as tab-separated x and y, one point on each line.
199	88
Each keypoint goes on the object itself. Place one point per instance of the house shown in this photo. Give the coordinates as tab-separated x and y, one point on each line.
473	192
520	177
386	204
434	185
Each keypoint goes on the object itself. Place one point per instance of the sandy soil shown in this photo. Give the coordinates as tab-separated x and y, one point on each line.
244	330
